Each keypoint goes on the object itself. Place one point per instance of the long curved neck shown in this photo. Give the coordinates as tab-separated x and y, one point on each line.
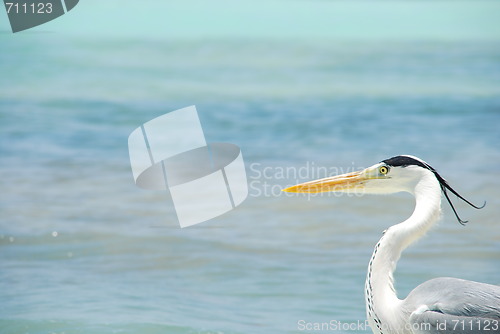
381	298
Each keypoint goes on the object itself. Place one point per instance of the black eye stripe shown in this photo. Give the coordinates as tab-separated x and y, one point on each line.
404	161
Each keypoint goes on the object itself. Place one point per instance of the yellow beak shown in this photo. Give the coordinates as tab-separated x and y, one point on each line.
350	182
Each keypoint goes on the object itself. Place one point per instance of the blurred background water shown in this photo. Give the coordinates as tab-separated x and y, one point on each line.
82	250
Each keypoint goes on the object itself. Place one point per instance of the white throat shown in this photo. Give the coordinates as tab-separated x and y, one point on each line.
380	295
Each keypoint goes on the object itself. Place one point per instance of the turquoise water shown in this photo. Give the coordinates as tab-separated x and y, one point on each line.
85	251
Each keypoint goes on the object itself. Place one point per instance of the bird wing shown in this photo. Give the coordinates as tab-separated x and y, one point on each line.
451	305
433	322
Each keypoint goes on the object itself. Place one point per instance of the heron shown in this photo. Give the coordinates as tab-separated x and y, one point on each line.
441	305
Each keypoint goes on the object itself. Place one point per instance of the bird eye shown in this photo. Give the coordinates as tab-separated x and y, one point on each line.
384	170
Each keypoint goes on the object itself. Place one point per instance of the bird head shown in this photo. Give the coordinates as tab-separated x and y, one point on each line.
397	174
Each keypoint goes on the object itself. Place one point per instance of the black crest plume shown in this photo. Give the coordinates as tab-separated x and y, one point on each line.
403	161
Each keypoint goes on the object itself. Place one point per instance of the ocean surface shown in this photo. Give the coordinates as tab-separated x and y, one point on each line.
83	250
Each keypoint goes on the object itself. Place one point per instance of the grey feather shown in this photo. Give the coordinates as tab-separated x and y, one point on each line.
451	305
431	322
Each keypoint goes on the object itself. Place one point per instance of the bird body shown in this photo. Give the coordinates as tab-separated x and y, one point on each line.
441	305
